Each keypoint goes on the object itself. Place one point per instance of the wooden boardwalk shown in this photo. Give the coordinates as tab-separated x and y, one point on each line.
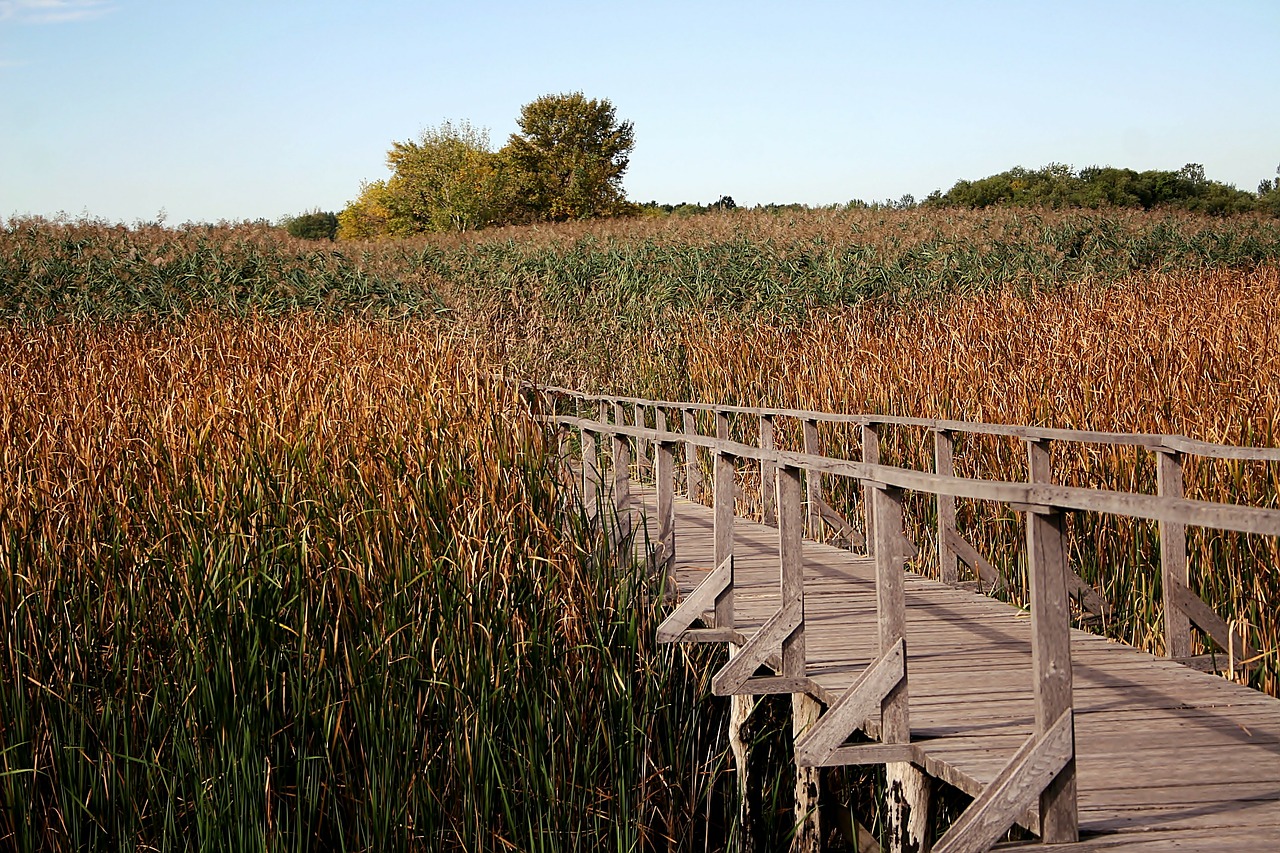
1087	743
1168	758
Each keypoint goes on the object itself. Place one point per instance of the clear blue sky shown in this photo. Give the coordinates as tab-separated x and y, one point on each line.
240	109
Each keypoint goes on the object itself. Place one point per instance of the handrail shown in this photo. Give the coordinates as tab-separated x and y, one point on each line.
1043	769
1220	516
1151	441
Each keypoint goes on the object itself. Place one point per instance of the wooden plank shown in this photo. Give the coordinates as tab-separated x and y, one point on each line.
643	466
1204	618
665	482
1174	567
706	595
870	753
1035	765
759	646
723	500
768	492
980	565
813	480
944	464
1051	649
692	473
1243	519
870	459
1178	443
854	707
787	489
591	477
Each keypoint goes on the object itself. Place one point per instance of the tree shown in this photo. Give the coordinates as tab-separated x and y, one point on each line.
369	216
314	225
568	160
448	180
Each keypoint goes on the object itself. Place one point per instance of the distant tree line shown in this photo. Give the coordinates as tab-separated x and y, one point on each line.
569	158
1058	185
566	162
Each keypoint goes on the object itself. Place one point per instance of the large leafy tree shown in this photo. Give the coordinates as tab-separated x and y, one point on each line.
568	159
448	180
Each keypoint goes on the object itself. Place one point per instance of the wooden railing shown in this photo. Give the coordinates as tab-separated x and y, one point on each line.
877	704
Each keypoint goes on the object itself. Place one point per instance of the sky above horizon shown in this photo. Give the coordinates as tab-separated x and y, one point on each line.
129	110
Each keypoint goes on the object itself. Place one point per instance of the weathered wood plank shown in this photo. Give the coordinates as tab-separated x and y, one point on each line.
1051	649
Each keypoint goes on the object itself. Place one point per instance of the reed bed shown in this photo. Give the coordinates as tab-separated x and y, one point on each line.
312	584
1189	354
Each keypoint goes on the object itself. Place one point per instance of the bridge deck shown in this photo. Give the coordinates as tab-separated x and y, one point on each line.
1168	758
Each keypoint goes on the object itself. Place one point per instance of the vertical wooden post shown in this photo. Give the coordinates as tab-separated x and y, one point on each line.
590	471
944	464
740	706
907	792
722	426
643	466
791	560
622	474
722	507
870	455
788	497
692	473
813	480
1173	558
1051	646
665	475
768	490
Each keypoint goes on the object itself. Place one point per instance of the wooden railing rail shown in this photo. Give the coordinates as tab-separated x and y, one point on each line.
1043	770
1151	441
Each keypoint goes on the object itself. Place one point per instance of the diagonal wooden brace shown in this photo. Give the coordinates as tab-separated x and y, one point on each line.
703	598
819	746
1014	791
766	642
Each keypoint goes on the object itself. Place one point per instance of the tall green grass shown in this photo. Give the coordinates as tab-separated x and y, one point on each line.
272	585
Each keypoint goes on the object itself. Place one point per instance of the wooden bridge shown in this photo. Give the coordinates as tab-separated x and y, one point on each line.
1087	743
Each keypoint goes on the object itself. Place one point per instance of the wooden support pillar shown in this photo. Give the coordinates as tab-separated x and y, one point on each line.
692	473
813	479
768	492
722	426
870	455
1174	568
907	792
944	464
805	710
1051	646
740	708
644	467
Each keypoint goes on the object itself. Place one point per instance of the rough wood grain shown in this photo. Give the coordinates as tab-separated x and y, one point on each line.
944	464
1050	647
1174	568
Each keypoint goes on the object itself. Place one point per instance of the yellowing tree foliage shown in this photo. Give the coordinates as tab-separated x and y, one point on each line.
566	163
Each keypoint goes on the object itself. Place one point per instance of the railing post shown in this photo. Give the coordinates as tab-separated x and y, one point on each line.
665	475
870	455
643	466
722	507
768	490
944	464
590	470
788	496
813	479
1174	568
621	474
692	473
907	794
1051	645
722	426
